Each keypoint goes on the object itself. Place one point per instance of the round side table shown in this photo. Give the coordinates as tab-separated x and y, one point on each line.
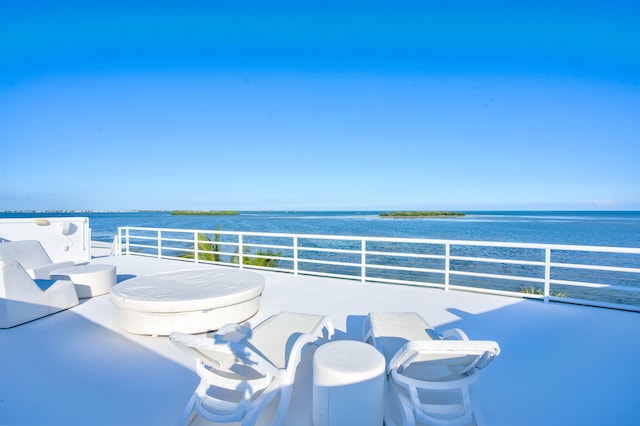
348	384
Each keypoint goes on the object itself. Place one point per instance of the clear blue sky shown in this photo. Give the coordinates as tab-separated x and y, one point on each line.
319	105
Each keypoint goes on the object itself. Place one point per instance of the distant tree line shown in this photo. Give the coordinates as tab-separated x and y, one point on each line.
204	212
421	214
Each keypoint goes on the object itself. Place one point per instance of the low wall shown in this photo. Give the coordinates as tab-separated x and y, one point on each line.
64	238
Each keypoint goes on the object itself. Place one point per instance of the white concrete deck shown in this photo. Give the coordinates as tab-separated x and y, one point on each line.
560	364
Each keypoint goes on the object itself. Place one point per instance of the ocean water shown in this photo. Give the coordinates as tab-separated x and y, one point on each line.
611	229
602	228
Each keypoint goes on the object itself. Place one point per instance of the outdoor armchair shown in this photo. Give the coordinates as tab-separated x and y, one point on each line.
429	373
22	299
242	369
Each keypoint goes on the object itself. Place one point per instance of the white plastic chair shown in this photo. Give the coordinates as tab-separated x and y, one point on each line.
22	300
32	256
429	374
242	369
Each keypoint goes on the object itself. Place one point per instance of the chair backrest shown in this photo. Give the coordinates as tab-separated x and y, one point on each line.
275	338
15	282
458	356
29	253
390	331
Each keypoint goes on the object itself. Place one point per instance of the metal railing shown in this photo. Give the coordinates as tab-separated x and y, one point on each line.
590	275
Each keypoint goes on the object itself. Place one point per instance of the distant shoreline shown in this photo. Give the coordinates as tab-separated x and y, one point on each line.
421	214
204	213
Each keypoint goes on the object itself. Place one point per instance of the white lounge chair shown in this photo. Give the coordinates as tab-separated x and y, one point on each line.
22	300
32	256
429	374
241	369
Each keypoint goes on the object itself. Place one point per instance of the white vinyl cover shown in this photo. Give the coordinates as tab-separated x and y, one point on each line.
89	280
187	290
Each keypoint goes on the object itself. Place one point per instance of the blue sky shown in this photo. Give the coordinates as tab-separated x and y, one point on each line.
319	105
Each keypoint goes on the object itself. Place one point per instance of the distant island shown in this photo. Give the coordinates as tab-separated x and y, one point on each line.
204	212
418	214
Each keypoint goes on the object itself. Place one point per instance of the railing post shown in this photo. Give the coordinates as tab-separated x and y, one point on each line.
117	244
159	244
240	252
127	240
295	255
447	265
363	262
196	248
547	274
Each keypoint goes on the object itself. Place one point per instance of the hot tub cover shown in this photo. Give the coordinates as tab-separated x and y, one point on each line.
187	290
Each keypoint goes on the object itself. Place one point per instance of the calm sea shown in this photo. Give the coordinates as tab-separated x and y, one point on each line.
618	229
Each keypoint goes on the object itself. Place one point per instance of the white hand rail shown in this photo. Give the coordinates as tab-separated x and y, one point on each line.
598	276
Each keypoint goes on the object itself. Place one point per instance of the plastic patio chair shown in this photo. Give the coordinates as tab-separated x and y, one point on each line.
429	373
242	369
22	299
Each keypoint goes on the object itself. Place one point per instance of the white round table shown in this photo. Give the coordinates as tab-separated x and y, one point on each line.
89	280
189	301
348	384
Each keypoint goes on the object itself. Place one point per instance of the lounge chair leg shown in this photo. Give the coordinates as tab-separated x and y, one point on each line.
189	414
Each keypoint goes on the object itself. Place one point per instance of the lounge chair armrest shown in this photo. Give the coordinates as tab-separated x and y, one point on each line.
484	350
318	334
454	334
43	272
325	324
220	351
232	333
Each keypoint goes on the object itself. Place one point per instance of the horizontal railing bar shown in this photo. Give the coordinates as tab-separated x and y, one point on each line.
497	276
412	255
595	285
507	293
595	267
403	268
328	250
271	246
404	282
131	245
328	274
328	262
493	260
587	302
605	249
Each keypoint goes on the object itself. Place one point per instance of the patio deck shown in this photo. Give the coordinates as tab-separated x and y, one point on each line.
560	364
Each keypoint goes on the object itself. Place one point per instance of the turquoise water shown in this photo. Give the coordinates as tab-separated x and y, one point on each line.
617	229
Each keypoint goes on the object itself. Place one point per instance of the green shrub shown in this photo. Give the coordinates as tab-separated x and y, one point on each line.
539	292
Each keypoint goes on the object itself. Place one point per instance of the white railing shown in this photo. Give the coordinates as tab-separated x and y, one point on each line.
590	275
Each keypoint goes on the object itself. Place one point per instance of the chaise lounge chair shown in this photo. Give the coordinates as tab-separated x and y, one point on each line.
241	369
429	374
89	279
32	256
22	299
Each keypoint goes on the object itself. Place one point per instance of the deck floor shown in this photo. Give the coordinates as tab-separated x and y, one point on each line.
560	364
